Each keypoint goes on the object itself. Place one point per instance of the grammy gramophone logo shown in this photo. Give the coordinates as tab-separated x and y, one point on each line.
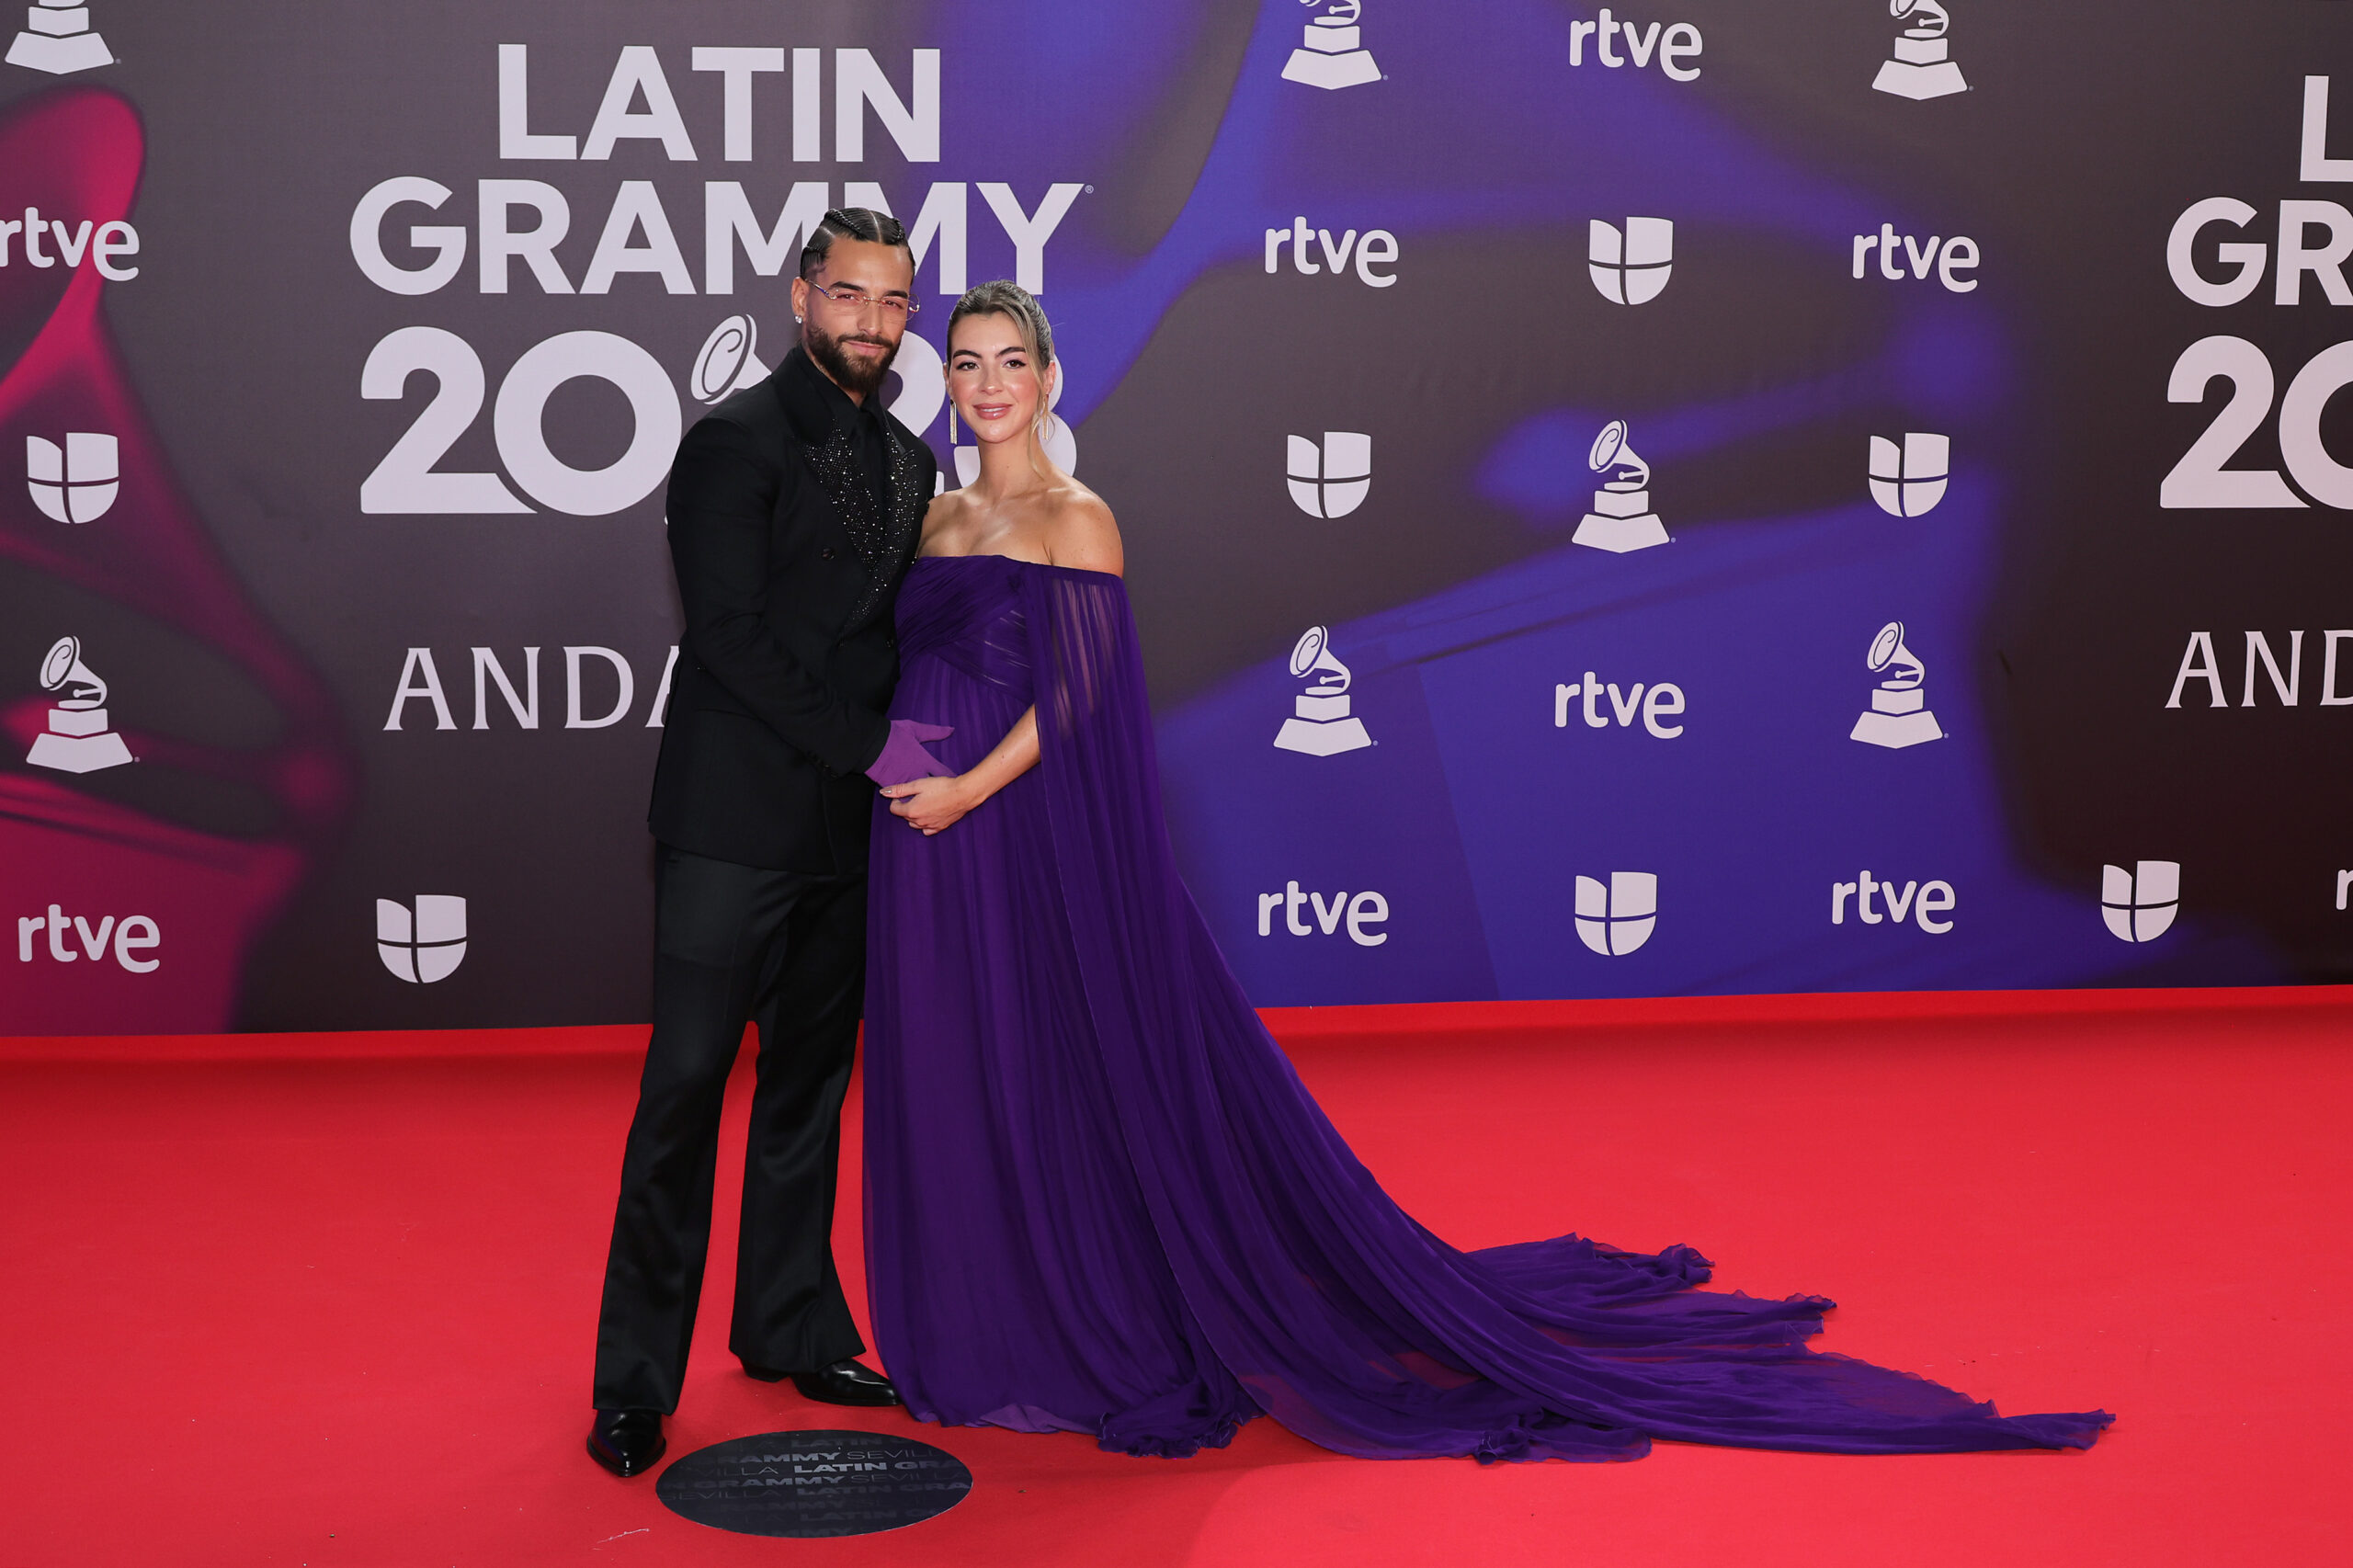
1921	68
56	39
1321	724
1898	716
1622	519
729	361
78	739
1332	54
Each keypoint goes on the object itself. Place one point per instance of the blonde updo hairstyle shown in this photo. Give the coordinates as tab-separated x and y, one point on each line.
1003	297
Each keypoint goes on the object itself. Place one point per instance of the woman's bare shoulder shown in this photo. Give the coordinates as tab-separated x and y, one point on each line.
1081	531
944	508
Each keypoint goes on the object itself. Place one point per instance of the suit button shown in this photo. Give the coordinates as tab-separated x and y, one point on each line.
824	555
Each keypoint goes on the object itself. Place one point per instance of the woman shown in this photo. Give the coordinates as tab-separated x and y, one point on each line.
1098	1199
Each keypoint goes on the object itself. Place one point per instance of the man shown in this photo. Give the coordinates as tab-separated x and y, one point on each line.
794	509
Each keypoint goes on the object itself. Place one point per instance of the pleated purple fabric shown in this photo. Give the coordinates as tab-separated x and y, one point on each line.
1100	1199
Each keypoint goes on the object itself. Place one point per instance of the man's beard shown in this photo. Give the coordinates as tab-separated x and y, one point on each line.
857	376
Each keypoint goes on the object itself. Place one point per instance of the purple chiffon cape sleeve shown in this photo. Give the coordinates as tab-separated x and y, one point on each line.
1340	1315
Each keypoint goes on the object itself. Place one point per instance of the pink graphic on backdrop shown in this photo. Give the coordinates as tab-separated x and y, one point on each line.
75	155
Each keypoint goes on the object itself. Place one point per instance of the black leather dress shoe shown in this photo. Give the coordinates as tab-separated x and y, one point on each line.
846	1382
627	1442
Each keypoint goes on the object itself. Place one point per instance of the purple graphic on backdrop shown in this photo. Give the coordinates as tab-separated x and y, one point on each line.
146	845
1494	791
1663	509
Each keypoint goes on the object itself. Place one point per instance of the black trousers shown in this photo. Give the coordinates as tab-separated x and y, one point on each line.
732	944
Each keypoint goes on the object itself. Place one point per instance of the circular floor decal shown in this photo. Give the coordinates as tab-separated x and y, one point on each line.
814	1483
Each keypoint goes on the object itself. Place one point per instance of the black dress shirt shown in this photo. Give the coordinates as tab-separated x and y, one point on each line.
862	422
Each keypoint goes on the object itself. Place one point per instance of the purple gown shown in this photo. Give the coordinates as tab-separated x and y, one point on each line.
1098	1199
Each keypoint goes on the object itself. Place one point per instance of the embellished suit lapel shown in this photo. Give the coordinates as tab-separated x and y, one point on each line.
908	503
863	518
882	531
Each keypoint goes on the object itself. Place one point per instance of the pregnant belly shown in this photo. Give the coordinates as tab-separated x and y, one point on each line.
934	691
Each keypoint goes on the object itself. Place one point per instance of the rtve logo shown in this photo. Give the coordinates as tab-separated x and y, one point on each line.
1332	54
1615	919
131	934
99	245
1630	266
1359	914
1925	901
56	39
1663	700
422	945
1332	480
1922	67
1902	254
76	483
1376	247
420	681
2138	905
1680	42
1908	481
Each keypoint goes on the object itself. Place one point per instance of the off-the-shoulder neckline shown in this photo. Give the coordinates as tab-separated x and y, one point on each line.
1033	565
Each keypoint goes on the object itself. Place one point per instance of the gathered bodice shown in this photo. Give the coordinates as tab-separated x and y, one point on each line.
965	610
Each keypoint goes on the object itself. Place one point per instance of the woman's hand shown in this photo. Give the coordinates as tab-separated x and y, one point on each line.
933	804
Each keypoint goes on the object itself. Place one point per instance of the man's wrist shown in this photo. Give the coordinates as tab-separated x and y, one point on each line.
882	743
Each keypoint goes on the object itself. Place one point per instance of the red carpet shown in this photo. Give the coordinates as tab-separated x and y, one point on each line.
329	1300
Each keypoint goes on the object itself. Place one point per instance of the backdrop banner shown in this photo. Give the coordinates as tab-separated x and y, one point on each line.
1720	497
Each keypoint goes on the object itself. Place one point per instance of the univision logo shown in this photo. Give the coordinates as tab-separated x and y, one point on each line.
1909	481
2138	905
1615	919
1332	480
76	483
1630	266
426	944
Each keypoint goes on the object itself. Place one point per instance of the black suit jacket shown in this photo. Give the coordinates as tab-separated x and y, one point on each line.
788	567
